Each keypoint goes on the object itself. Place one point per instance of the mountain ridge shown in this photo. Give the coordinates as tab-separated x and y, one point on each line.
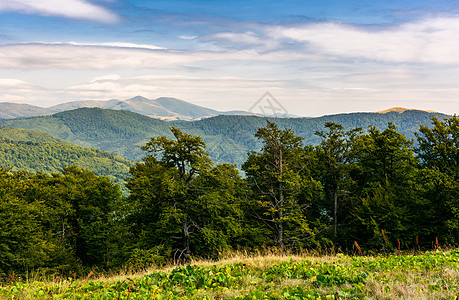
228	138
399	109
164	108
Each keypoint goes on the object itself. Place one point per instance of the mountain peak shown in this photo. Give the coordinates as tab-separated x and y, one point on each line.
401	110
137	98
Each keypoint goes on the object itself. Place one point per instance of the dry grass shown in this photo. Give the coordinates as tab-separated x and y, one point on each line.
409	281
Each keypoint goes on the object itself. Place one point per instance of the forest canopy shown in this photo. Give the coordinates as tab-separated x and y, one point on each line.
372	187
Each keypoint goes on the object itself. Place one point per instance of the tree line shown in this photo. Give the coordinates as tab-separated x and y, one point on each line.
372	188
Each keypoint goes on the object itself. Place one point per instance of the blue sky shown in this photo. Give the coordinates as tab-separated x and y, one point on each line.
314	57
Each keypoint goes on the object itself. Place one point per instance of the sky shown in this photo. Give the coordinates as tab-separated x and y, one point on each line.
314	57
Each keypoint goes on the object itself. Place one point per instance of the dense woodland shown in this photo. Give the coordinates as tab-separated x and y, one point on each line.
372	187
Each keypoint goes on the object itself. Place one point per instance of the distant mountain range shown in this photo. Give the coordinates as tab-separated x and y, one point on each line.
228	138
169	109
17	110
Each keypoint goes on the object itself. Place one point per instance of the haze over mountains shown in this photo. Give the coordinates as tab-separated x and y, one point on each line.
164	108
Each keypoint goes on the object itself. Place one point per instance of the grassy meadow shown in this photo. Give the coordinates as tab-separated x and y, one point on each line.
427	275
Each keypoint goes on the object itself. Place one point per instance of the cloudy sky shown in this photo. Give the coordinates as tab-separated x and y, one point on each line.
314	57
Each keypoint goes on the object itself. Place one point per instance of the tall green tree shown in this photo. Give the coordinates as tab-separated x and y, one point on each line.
382	157
385	189
219	211
439	146
58	222
335	154
185	158
438	151
275	176
181	202
92	199
23	242
80	210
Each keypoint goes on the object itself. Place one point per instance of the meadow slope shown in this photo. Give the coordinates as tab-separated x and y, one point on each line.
429	275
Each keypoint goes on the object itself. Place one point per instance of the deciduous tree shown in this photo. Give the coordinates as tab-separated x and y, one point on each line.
275	176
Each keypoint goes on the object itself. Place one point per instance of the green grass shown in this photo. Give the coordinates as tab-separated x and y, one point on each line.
430	275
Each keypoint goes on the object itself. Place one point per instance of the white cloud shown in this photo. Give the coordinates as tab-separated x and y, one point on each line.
86	56
77	9
123	45
242	38
110	44
427	41
430	41
12	82
188	37
15	90
108	56
312	69
107	77
311	96
180	86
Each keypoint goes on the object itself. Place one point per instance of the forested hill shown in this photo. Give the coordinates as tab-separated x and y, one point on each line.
117	131
28	135
34	151
228	138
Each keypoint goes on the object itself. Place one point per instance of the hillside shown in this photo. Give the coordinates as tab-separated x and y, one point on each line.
35	151
121	132
228	138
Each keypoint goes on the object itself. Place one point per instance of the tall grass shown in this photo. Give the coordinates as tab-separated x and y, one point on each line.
267	274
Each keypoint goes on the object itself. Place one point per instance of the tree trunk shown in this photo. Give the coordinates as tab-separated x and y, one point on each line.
335	210
280	237
280	230
186	239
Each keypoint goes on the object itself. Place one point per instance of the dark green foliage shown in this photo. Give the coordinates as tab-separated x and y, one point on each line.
280	185
334	154
61	222
439	153
91	199
384	170
373	187
23	244
219	211
385	195
383	157
181	201
439	146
